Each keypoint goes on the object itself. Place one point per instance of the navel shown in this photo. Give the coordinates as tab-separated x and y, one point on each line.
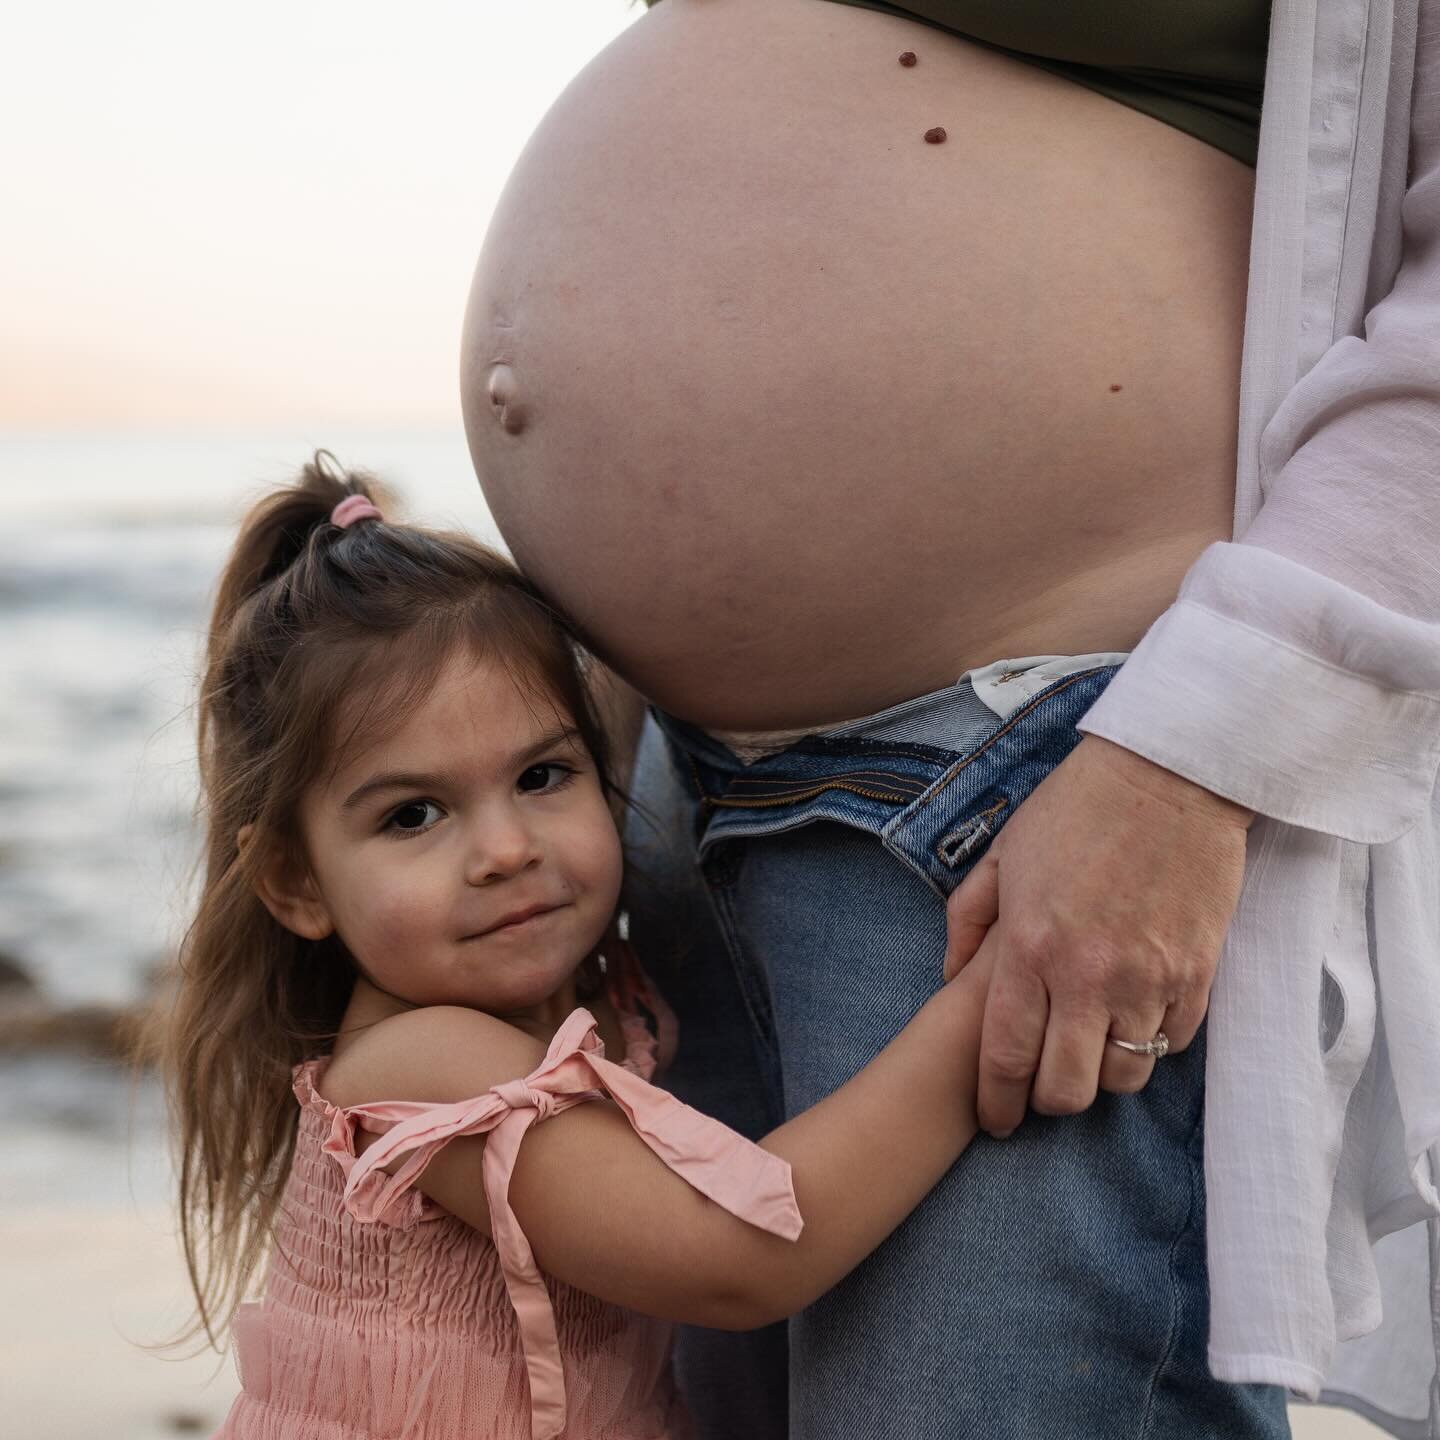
504	390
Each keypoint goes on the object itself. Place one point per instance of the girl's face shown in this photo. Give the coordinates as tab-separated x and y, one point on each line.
468	858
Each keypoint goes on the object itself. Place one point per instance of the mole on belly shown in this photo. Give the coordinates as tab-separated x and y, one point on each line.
935	136
1114	388
908	58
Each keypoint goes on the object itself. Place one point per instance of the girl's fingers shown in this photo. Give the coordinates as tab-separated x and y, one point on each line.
973	907
1016	1011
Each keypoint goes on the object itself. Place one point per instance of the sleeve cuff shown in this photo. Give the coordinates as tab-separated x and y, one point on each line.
1327	718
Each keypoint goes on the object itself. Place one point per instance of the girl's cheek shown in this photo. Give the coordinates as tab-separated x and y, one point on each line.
397	910
607	863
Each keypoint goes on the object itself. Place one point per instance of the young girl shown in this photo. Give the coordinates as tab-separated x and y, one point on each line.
405	964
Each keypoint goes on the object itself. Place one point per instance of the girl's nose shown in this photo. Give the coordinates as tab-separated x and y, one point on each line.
501	846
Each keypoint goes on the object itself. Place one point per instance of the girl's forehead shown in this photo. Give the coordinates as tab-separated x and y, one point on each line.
481	707
481	699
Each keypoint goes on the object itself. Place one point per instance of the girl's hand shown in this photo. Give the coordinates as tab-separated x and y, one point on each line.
1104	903
603	1212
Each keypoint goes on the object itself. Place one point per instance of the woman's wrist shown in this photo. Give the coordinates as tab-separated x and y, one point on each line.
1135	769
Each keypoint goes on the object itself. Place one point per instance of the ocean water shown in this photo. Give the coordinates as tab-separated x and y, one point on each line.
109	548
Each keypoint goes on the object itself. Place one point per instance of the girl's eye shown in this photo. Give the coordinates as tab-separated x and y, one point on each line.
413	816
550	776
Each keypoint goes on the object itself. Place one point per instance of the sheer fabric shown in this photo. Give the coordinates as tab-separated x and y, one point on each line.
1298	672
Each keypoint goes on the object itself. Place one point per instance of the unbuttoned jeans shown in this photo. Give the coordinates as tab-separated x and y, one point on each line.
1053	1284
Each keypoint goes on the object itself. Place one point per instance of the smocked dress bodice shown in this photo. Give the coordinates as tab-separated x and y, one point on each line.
385	1316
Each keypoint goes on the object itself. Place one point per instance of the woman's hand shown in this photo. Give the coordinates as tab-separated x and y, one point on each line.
1106	898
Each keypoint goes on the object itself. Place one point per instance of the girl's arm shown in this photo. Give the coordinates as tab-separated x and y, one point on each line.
602	1213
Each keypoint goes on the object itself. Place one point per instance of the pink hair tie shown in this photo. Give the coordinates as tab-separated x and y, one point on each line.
353	508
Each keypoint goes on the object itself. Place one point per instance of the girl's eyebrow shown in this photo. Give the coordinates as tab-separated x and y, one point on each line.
413	780
391	780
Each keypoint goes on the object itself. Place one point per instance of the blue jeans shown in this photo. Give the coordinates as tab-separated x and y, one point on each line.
1053	1284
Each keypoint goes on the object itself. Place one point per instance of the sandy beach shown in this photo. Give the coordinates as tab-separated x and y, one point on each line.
85	1290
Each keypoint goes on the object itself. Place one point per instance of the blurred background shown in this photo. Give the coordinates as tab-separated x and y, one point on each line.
232	234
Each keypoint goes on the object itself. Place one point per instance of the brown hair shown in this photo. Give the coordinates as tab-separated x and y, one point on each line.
315	630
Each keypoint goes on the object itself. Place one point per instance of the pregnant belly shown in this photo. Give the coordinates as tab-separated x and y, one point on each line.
797	414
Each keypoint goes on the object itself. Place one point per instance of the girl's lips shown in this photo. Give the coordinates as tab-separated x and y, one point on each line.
515	921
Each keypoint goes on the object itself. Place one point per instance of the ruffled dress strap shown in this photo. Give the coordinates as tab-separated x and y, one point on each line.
740	1177
629	989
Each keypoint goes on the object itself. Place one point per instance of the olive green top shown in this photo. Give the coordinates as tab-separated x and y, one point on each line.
1198	65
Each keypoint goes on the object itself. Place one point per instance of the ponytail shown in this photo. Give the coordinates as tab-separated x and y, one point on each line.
275	533
314	623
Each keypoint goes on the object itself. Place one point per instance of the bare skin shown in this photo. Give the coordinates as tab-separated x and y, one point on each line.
1121	922
800	416
803	416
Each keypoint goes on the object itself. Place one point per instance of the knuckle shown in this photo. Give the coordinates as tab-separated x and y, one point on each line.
1135	974
1030	943
1099	959
1123	976
1058	1098
1185	1020
1008	1065
1191	976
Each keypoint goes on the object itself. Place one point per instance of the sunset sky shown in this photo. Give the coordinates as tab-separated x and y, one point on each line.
259	215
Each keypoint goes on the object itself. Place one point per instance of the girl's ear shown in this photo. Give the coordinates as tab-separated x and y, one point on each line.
288	891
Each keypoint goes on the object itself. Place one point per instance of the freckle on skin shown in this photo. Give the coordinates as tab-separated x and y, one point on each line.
935	136
908	58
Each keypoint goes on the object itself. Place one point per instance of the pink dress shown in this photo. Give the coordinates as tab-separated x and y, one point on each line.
385	1316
